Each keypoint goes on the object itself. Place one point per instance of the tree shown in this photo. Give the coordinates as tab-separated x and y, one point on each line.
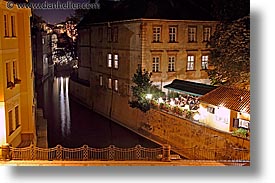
229	10
230	54
143	86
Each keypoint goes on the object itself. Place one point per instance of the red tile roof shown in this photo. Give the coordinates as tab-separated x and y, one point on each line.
231	98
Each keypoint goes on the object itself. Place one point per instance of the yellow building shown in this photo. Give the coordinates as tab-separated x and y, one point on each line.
17	124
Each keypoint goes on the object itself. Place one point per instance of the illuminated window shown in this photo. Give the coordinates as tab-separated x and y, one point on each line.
172	34
206	34
6	26
116	85
156	34
13	34
109	60
17	119
116	61
156	61
190	62
100	80
240	123
171	63
109	83
204	62
192	34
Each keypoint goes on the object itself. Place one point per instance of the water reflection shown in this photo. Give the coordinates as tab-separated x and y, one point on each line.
73	125
64	106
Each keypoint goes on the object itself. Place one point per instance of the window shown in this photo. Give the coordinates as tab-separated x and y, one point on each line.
17	119
6	26
172	34
156	34
206	34
43	40
211	110
14	68
156	61
99	59
235	122
109	34
8	75
10	122
244	123
192	34
116	61
100	80
115	34
116	85
109	83
171	63
13	26
240	123
109	60
100	34
190	62
204	62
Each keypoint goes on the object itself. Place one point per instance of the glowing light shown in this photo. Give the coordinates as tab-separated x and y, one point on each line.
149	96
2	124
160	100
196	116
172	103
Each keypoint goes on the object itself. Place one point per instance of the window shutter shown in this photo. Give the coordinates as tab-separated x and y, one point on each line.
235	122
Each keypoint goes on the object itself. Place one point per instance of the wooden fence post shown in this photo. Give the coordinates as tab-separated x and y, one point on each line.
6	152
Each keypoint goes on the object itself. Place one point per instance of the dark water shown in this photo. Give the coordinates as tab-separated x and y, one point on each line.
72	125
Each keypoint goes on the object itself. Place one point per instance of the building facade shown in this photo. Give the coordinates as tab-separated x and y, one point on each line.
17	106
110	53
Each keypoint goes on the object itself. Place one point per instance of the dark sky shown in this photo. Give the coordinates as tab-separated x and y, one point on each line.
54	16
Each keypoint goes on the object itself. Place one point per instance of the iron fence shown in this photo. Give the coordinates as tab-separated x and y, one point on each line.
85	153
138	152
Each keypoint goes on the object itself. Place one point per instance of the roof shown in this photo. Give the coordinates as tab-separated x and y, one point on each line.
148	9
231	98
189	87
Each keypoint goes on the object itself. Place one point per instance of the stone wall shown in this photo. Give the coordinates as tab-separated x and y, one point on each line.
184	134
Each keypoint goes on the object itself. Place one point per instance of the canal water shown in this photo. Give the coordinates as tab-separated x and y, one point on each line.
73	125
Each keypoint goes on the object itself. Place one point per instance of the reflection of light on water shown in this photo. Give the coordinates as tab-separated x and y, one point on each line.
65	107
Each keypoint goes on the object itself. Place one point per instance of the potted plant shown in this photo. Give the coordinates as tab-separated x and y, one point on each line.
240	132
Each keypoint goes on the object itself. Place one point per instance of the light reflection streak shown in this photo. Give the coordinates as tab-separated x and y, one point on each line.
65	107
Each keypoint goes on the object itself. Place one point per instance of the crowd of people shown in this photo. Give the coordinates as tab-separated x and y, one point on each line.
188	102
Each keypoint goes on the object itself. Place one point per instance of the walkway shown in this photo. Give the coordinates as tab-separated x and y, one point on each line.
117	163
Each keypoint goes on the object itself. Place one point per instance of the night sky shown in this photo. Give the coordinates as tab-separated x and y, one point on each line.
55	16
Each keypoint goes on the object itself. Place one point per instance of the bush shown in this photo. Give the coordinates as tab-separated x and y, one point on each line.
240	132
